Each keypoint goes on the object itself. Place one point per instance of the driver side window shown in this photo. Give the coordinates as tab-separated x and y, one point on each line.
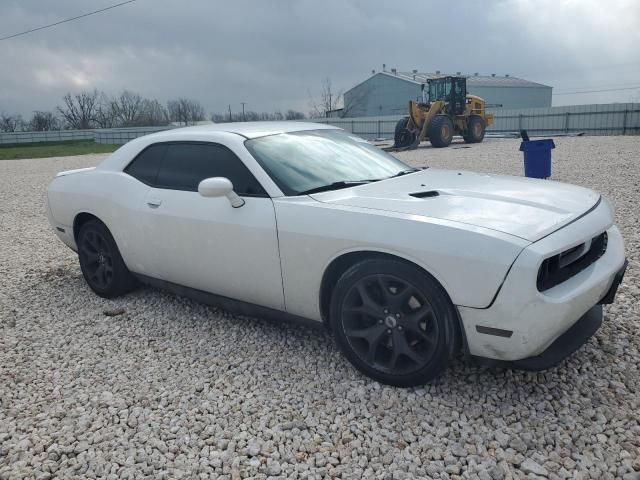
183	165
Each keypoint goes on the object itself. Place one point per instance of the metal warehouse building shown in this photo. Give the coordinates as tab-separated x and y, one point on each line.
387	93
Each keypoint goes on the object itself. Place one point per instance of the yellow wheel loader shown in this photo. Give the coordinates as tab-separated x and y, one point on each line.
447	111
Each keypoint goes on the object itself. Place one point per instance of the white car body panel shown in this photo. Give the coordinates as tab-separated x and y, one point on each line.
483	237
538	318
206	244
313	234
523	207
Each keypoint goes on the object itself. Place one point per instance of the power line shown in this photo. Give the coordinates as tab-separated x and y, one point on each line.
67	20
595	91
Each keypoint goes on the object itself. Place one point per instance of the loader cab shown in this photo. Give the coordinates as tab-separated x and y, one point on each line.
452	91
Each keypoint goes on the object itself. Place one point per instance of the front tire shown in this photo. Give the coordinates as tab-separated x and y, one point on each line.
440	131
403	137
393	322
101	263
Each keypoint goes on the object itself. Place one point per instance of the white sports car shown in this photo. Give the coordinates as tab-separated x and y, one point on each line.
404	266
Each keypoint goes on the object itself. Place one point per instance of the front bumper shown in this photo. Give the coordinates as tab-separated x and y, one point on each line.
561	348
565	344
576	336
522	322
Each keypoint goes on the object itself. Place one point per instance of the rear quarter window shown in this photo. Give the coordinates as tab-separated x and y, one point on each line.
147	163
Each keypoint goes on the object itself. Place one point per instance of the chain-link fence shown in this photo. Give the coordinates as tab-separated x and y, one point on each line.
52	136
120	136
605	119
601	119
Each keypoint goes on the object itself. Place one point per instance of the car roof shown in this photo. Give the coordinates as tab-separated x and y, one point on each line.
202	133
251	129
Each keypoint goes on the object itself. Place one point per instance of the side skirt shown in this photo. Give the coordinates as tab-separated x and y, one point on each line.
229	304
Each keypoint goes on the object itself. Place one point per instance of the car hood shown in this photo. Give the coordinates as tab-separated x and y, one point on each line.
523	207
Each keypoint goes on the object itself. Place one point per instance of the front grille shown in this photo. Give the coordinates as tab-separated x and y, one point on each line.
561	267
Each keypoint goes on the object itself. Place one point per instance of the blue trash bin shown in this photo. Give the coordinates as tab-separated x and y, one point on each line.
537	158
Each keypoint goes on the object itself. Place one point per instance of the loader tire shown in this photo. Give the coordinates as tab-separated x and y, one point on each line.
475	130
402	137
441	131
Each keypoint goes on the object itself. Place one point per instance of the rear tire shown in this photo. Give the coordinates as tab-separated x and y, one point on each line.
101	263
393	322
440	131
475	130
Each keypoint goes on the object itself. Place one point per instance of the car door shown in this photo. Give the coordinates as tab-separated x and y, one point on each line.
205	243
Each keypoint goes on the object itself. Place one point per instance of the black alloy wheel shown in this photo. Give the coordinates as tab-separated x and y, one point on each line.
101	262
394	322
97	258
389	324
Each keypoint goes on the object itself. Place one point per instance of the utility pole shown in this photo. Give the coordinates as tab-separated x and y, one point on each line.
230	113
244	119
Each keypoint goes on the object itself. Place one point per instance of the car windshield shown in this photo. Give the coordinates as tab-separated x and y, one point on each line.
317	160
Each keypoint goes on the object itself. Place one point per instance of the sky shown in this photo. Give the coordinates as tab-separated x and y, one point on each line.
274	54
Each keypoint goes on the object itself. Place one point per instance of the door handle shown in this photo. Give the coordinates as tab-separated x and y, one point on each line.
154	202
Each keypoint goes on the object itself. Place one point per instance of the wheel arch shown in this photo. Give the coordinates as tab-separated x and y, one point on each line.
346	260
80	219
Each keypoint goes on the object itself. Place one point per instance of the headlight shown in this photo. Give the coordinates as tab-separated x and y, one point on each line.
561	267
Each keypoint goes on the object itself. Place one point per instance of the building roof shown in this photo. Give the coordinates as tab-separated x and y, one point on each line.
473	80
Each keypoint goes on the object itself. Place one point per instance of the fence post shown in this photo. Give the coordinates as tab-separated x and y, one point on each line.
379	131
624	123
566	122
520	122
352	126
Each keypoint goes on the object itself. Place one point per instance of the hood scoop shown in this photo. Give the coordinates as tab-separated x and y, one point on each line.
427	194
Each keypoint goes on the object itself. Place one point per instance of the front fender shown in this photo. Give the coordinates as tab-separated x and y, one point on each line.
470	262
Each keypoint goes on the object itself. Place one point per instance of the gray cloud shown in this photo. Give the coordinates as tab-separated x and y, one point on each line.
270	54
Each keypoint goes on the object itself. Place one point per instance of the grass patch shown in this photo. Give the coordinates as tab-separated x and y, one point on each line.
17	151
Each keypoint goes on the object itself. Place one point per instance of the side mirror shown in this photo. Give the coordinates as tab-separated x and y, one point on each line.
220	187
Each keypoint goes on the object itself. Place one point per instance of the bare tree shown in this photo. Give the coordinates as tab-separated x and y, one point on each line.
329	100
43	122
79	110
10	123
293	115
217	118
185	111
105	115
127	109
154	114
251	116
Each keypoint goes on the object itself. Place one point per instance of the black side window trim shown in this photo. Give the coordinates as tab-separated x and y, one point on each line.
162	187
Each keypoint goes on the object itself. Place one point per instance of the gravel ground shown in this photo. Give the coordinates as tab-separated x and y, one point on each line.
174	389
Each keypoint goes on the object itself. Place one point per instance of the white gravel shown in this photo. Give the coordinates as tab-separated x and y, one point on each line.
175	389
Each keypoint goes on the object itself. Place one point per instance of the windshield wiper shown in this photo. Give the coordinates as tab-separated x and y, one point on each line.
335	186
404	172
399	174
353	183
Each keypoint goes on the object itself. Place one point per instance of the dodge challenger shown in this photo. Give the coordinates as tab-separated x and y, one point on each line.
406	267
